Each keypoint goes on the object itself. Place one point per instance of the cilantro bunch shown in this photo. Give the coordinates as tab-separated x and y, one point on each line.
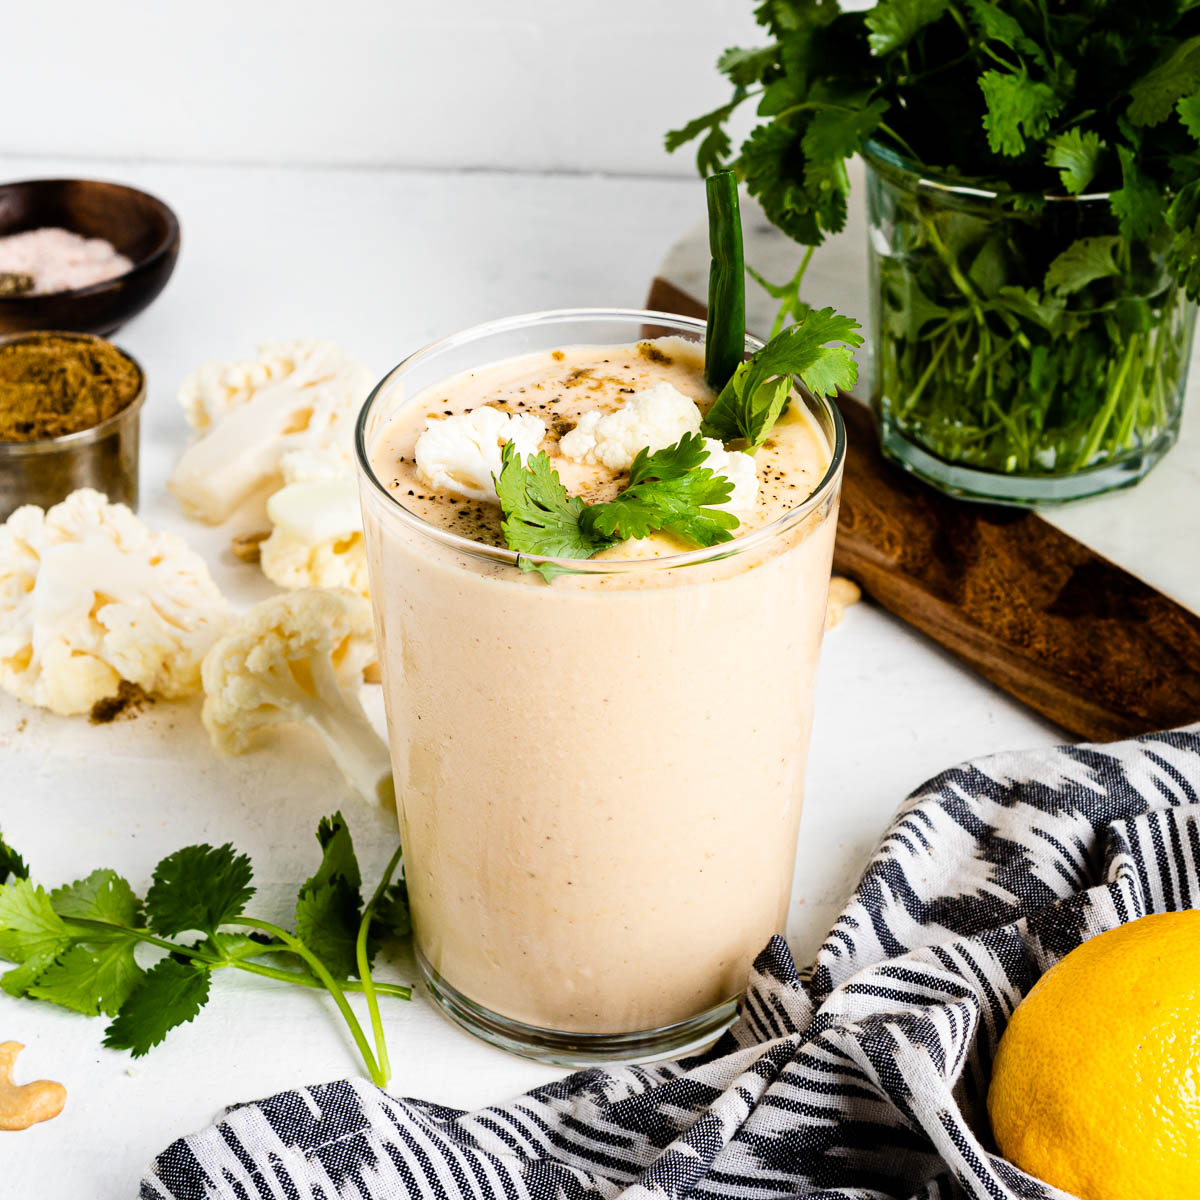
1024	96
1018	333
78	945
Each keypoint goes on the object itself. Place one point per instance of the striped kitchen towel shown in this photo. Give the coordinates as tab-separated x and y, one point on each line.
862	1078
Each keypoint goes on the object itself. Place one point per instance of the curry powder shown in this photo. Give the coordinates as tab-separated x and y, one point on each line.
52	385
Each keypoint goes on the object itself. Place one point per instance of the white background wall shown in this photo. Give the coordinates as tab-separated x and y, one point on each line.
571	85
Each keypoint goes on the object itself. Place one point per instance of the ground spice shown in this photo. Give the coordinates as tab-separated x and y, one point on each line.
130	699
654	354
52	385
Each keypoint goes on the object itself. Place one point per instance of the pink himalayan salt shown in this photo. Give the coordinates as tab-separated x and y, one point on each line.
60	260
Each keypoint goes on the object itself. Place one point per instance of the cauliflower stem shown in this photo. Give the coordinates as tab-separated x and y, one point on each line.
311	693
299	658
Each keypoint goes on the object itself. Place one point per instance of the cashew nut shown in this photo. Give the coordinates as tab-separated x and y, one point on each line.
22	1106
842	593
246	546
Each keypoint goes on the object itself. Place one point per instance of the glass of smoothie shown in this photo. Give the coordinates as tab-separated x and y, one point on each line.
598	775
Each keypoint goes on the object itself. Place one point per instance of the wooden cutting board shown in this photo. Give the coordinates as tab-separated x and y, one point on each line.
1064	630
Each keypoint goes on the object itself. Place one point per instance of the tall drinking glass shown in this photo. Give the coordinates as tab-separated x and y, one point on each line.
598	779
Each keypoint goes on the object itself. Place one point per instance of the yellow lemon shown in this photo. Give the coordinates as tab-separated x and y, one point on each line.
1096	1084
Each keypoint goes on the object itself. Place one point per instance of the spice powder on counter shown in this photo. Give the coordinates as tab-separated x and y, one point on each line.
51	385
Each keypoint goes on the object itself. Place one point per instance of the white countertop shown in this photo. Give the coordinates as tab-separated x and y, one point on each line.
382	261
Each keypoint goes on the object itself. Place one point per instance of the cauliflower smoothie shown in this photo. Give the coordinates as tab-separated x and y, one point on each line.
598	777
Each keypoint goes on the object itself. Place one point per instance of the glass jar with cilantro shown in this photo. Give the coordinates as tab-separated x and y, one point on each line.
1034	201
1019	353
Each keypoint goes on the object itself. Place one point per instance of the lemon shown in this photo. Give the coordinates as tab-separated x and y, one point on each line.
1096	1084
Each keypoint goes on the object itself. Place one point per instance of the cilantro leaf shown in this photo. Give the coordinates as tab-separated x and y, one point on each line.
894	23
1017	108
1045	311
837	132
754	398
198	888
715	145
391	917
29	926
338	860
1189	113
170	994
102	896
747	66
1154	95
1184	251
539	517
327	923
668	490
31	934
11	863
91	979
998	26
1138	203
782	17
770	160
1084	261
19	980
1076	156
329	906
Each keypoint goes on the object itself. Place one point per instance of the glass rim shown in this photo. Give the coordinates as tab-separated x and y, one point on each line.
575	566
876	153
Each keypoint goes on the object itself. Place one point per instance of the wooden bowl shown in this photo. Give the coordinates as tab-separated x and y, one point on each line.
138	225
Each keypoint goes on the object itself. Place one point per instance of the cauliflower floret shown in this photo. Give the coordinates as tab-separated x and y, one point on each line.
303	466
317	535
740	469
299	657
212	390
300	395
90	596
461	454
652	419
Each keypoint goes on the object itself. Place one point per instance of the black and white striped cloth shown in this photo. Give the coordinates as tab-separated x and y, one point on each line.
862	1078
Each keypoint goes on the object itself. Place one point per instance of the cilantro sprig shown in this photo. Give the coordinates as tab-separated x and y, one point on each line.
76	946
755	398
668	490
672	491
